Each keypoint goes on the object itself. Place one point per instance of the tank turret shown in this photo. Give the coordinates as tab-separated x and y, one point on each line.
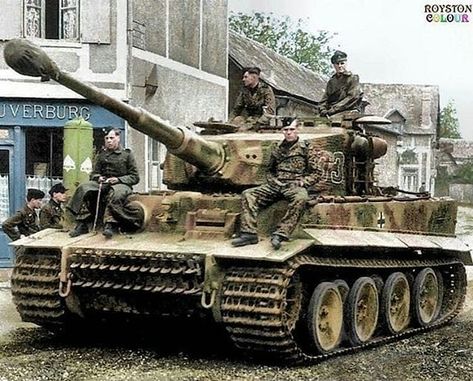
226	162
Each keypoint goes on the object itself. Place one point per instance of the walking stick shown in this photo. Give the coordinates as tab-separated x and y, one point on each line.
97	207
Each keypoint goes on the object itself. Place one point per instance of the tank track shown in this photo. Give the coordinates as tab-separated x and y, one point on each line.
260	306
35	287
136	282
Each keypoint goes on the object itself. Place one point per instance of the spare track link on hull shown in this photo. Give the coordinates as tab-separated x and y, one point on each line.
260	305
35	288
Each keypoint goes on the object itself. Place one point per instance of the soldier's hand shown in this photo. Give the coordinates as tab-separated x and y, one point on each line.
102	179
112	180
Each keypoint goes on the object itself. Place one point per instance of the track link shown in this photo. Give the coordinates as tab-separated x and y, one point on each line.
260	306
35	287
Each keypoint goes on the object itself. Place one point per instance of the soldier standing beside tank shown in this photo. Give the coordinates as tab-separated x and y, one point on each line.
255	100
51	214
290	174
343	91
25	222
114	175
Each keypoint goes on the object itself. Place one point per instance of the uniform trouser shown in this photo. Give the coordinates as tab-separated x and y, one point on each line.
254	199
84	200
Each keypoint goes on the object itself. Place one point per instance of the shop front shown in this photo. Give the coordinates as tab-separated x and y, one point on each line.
31	149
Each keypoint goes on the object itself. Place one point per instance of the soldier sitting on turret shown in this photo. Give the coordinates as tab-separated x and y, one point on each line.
254	100
114	175
290	174
343	91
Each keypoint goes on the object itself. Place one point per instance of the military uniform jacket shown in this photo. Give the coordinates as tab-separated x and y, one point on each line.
250	102
119	163
50	215
289	163
342	93
23	222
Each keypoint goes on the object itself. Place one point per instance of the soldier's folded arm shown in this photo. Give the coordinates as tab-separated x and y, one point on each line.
10	228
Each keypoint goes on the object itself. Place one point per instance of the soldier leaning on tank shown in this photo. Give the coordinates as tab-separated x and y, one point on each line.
343	90
51	214
25	221
289	176
114	174
255	100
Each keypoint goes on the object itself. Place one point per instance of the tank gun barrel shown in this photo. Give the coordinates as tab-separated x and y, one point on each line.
29	59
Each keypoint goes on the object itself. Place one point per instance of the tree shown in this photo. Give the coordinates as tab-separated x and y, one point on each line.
449	125
286	37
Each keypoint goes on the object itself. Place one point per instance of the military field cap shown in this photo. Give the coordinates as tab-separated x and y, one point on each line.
253	70
57	188
338	56
287	121
34	193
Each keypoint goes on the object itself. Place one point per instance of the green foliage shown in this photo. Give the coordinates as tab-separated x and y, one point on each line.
464	174
449	125
286	37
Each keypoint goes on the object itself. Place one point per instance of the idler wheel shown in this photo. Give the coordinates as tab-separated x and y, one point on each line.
427	296
362	310
325	317
395	303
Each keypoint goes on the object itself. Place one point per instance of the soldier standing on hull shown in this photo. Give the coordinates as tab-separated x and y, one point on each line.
51	214
114	175
25	221
254	100
290	174
343	91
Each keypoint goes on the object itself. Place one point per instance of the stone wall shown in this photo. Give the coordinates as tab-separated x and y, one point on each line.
461	192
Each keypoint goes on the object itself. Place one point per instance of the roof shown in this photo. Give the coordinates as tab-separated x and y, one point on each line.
279	72
460	149
407	100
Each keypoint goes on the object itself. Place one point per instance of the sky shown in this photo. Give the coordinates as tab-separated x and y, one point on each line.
390	41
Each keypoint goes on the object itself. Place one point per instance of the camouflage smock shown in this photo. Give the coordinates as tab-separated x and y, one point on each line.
250	102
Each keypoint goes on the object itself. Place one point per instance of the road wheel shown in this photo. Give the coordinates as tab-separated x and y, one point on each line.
362	310
427	296
325	317
395	303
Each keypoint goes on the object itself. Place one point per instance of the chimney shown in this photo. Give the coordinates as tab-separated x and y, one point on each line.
426	119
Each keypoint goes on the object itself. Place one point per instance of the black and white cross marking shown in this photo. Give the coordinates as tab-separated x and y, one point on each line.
381	220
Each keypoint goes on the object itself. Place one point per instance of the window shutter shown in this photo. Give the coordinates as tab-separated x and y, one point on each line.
95	21
11	19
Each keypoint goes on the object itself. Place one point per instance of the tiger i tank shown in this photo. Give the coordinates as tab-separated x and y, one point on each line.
364	267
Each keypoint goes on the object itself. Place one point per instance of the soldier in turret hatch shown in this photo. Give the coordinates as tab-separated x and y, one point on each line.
343	92
25	222
255	100
114	175
290	172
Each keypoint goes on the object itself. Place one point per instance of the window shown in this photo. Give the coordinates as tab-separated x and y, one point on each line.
52	19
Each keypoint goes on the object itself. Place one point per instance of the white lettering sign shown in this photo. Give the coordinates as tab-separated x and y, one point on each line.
29	111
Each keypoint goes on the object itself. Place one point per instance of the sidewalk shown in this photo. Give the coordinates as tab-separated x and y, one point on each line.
5	278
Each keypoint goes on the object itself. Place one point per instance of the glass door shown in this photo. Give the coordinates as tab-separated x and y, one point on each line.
5	179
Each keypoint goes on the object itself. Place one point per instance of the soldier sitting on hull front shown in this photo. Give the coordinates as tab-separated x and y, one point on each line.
255	100
114	175
25	222
51	214
343	91
290	174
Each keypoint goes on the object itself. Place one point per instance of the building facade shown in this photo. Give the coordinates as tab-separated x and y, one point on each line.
166	56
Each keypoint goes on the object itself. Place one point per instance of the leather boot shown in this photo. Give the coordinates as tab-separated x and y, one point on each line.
245	239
